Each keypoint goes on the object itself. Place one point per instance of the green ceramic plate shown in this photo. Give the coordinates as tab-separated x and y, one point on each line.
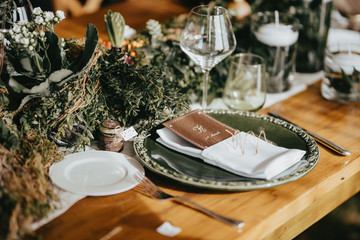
195	172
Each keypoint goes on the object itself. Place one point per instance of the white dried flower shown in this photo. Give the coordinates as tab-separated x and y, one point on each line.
18	38
22	22
62	42
49	16
16	29
42	33
37	11
39	20
25	41
31	48
60	14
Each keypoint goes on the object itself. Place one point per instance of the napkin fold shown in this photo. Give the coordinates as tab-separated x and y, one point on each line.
242	154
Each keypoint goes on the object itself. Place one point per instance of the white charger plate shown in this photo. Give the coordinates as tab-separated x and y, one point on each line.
95	173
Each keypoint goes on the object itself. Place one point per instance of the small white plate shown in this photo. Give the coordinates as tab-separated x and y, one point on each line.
95	173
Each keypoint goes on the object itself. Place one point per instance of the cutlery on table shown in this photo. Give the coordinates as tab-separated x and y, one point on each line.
318	138
155	192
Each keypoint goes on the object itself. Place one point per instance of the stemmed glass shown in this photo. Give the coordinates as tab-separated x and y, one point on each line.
207	39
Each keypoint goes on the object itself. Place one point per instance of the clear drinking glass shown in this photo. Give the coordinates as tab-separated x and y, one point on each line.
245	87
207	39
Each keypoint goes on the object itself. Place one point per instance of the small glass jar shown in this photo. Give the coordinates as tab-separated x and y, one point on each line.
110	138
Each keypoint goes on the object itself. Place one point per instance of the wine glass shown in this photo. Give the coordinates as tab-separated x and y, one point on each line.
207	39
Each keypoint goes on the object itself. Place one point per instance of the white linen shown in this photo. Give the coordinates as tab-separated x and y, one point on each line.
239	156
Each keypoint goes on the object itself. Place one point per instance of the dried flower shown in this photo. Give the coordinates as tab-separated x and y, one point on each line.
60	14
35	53
37	11
39	20
49	16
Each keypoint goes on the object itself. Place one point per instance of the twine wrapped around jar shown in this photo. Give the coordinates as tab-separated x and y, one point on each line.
110	136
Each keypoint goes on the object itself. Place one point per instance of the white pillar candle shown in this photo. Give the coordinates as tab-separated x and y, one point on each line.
277	35
346	61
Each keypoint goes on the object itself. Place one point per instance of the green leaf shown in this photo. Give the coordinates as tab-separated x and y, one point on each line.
24	81
343	84
356	76
42	89
18	67
115	26
91	42
53	52
108	27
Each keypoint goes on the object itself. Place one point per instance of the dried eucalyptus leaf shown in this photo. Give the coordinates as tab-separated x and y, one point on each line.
59	75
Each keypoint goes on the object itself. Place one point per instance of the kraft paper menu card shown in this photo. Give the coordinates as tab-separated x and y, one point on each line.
199	129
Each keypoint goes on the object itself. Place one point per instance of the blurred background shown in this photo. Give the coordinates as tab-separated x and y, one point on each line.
348	9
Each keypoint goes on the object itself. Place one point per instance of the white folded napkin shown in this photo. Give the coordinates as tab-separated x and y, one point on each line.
243	154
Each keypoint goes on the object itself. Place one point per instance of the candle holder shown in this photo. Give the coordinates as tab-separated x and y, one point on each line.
342	73
315	17
275	38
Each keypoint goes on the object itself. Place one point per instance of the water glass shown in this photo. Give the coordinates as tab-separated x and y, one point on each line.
342	73
275	36
245	87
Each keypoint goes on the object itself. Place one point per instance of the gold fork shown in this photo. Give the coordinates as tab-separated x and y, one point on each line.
155	192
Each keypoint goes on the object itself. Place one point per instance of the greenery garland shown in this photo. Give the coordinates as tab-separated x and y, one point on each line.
26	194
135	94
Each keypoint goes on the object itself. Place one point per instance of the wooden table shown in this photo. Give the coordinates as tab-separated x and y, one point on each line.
280	212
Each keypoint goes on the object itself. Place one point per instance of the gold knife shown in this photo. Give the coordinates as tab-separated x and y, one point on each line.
318	138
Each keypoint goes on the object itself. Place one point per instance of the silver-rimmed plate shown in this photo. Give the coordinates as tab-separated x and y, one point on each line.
195	172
